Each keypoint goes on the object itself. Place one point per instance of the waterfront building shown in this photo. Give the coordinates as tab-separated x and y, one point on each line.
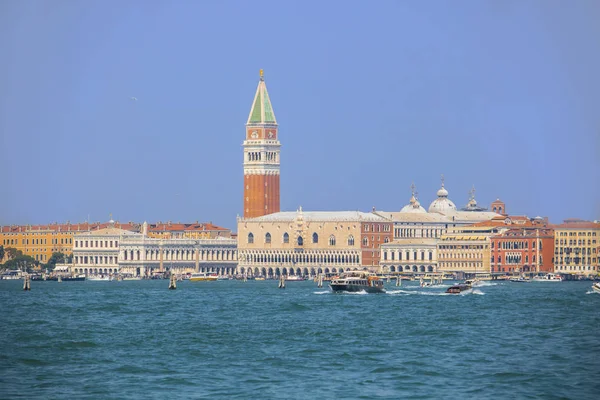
40	241
417	255
466	250
144	256
261	156
112	250
576	247
97	252
306	243
522	245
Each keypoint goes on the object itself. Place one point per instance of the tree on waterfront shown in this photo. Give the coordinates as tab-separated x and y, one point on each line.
11	252
57	258
21	262
1	252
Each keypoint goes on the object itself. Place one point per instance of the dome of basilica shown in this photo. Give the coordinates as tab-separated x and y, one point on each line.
442	204
413	207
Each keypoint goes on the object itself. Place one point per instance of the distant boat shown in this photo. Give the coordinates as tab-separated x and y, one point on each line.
202	276
547	278
294	278
596	287
98	278
457	289
520	279
132	278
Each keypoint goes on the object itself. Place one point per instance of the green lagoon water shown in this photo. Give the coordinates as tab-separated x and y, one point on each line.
251	340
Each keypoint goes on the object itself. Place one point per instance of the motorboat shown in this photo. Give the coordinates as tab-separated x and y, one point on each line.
457	289
520	279
357	281
76	278
596	287
547	278
473	282
294	278
203	276
98	278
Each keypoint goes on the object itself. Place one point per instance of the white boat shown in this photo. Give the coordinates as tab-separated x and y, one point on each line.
132	278
98	278
520	279
547	278
357	281
203	276
294	278
596	287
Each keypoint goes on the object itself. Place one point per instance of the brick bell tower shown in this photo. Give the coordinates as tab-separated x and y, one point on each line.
261	157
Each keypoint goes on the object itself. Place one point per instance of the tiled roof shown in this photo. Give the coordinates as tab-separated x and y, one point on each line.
577	224
68	227
180	227
398	216
321	216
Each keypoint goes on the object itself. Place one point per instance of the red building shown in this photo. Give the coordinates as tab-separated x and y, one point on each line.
261	157
524	246
373	235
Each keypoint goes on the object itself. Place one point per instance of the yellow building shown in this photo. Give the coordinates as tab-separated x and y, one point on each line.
576	247
40	241
465	249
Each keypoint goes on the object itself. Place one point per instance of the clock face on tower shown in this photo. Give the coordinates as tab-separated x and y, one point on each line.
254	135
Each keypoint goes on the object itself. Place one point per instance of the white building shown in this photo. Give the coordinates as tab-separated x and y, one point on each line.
112	251
97	252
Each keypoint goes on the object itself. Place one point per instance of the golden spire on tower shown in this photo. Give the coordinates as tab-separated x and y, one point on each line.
262	78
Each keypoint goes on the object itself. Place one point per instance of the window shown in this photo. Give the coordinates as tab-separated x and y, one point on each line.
250	238
268	238
365	241
315	238
332	240
300	241
286	238
350	240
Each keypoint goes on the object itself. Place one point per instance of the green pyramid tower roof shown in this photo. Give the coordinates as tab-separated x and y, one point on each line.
262	110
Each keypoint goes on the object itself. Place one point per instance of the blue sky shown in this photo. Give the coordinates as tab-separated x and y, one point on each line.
369	96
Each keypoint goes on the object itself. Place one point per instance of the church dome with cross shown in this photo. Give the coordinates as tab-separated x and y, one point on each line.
413	206
442	204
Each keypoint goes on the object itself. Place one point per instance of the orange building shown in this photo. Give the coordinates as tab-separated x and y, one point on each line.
261	157
40	241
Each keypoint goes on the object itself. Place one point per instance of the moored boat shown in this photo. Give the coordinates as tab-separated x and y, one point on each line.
203	276
357	281
547	278
98	278
520	279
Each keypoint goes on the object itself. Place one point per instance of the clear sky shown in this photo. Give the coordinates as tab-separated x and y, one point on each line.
370	96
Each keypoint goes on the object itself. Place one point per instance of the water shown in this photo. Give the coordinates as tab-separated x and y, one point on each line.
233	339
